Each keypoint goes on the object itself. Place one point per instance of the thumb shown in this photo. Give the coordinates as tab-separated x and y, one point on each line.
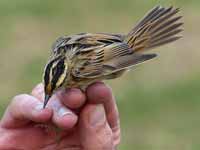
95	132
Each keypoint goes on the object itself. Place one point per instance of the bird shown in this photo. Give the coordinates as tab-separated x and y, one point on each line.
81	59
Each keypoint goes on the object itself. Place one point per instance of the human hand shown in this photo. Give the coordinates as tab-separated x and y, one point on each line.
88	121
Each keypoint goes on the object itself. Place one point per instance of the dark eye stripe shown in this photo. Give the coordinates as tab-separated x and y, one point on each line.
60	68
47	70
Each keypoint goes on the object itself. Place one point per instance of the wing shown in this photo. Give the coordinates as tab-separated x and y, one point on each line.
96	55
90	62
103	61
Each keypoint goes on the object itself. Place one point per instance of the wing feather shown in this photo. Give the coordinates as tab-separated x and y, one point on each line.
129	61
91	64
107	60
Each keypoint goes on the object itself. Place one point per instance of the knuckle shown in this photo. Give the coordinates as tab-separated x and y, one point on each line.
16	103
118	140
116	135
19	100
105	143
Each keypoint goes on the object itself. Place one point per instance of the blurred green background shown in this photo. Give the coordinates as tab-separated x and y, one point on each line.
159	102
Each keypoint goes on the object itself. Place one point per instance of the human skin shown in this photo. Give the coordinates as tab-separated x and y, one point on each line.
86	121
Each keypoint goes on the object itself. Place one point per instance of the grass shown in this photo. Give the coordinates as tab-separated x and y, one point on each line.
164	118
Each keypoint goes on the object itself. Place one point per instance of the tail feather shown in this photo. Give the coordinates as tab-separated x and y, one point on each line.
165	41
160	26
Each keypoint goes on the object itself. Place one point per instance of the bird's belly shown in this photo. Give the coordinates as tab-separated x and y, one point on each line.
82	83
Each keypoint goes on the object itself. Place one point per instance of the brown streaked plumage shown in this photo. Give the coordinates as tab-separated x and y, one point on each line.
81	59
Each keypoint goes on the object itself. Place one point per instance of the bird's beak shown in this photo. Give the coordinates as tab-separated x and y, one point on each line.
46	99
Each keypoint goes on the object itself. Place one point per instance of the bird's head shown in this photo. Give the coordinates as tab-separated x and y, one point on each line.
55	74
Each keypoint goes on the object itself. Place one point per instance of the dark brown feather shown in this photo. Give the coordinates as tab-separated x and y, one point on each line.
159	27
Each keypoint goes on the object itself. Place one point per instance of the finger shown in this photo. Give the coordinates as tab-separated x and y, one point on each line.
100	93
38	92
63	117
73	98
95	132
23	109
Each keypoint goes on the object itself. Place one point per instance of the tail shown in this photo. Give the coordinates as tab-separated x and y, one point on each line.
160	26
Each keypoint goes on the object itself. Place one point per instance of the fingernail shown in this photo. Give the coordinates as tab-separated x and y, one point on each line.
64	111
39	106
97	116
